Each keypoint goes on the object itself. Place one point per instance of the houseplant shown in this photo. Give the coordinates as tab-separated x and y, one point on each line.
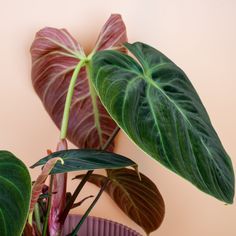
147	96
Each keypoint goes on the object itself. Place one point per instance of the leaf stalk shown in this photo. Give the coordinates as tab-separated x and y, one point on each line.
65	119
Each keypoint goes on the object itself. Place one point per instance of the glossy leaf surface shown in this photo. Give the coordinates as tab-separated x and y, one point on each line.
139	199
154	102
15	194
85	159
55	55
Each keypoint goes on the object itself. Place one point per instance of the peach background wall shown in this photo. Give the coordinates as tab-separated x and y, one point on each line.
199	36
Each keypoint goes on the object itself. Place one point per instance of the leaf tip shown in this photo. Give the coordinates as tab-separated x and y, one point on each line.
33	166
61	160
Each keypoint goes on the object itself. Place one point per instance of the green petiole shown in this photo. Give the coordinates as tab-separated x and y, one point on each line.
69	96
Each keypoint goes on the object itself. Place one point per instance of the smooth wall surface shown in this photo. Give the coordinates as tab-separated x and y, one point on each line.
199	36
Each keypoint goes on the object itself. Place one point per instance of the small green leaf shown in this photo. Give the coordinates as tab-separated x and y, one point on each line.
86	159
139	199
154	102
15	192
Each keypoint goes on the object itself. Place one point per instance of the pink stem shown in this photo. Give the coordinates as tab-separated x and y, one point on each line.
58	197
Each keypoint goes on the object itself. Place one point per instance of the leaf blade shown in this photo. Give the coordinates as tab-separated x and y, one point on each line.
85	159
55	54
139	199
112	35
15	194
168	121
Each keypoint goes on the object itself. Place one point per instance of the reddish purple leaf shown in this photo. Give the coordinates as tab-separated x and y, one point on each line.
138	199
55	54
112	35
39	183
31	230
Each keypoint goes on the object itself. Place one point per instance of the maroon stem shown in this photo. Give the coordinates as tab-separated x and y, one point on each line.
58	200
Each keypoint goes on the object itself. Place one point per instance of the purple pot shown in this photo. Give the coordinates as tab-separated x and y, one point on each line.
94	226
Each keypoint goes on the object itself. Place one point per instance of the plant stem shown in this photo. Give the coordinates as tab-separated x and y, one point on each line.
111	138
75	231
63	133
62	178
37	217
81	201
45	226
74	196
30	218
69	96
58	199
70	203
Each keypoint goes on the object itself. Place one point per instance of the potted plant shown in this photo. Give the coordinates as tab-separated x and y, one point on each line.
89	98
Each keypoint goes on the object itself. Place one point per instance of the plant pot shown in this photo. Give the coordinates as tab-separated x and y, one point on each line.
94	226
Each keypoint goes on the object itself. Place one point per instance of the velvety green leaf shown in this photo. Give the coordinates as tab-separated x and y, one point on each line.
154	102
85	159
139	199
15	191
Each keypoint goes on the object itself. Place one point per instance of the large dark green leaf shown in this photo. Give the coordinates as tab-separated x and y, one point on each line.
153	101
139	199
15	191
85	159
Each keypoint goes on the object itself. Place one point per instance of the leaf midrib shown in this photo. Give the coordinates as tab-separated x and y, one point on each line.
154	84
151	82
94	105
128	195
